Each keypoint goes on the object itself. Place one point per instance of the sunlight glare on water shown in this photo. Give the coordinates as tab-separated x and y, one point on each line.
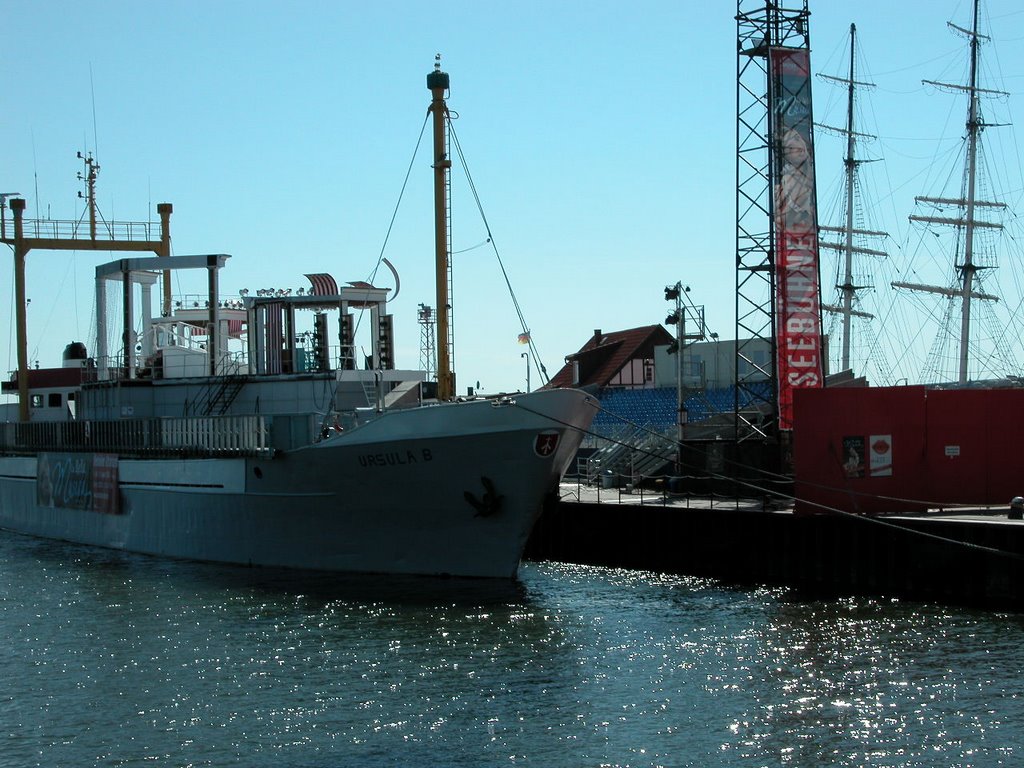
112	659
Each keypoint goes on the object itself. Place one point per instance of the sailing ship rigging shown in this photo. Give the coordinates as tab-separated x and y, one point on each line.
973	343
856	245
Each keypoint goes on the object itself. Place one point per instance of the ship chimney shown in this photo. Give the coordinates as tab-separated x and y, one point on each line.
75	355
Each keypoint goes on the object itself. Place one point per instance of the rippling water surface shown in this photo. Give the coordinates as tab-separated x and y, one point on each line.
112	659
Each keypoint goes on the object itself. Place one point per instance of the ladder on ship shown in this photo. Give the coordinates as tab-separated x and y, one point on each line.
370	392
219	395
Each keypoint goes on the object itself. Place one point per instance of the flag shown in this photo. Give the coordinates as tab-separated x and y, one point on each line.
524	338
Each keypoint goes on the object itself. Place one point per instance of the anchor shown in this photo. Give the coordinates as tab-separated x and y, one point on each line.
491	502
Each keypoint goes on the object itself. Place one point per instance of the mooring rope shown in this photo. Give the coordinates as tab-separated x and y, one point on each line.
869	519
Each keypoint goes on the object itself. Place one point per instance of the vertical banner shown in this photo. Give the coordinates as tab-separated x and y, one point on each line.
797	295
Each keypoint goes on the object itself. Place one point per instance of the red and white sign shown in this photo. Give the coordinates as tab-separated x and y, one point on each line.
797	292
880	451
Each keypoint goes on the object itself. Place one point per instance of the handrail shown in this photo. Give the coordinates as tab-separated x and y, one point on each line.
66	229
206	436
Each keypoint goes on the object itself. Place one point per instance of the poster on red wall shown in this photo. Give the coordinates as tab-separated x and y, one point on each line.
853	455
881	455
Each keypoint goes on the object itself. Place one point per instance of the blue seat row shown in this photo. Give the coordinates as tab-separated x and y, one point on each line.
656	408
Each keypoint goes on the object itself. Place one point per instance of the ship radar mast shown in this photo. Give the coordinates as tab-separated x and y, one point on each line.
92	171
437	82
31	235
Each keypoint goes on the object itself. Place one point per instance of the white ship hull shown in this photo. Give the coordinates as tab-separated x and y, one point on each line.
447	489
203	437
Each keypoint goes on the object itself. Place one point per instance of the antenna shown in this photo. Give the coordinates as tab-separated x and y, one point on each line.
92	93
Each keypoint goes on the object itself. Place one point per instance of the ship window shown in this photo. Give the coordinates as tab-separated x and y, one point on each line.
53	401
37	401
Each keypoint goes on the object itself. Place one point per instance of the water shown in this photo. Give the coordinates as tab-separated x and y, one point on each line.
118	660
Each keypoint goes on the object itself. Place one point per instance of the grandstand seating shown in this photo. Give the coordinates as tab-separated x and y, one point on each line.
656	408
633	435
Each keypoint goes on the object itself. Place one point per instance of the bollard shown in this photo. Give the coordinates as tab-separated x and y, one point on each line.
1016	509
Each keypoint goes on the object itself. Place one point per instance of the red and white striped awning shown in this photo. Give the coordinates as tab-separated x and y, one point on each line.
323	284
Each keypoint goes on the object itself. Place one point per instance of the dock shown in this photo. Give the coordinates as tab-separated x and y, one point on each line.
971	557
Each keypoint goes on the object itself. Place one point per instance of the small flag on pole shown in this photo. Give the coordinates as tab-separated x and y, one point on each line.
524	338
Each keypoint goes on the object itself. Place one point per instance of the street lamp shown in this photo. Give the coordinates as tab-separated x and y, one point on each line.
527	356
714	342
677	318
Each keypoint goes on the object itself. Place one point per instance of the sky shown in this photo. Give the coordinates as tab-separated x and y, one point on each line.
601	143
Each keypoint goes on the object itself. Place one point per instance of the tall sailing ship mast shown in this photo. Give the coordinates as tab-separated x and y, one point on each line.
969	263
846	239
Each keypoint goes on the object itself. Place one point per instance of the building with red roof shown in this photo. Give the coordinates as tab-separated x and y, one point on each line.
618	359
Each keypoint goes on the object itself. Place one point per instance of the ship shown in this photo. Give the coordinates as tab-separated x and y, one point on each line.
221	434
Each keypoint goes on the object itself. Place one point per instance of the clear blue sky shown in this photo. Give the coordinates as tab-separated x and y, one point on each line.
601	140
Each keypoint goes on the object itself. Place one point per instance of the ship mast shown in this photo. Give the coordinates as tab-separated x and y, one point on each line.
968	203
437	82
92	170
851	164
64	236
967	271
847	287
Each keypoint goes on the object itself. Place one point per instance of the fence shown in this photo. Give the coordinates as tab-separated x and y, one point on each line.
199	436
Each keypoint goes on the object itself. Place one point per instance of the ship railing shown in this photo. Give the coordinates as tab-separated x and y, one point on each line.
111	368
206	436
67	229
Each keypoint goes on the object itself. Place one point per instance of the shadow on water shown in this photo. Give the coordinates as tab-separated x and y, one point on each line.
109	569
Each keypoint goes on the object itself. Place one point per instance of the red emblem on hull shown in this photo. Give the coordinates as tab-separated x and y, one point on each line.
545	443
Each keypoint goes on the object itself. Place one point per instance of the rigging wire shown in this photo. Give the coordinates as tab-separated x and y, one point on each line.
490	238
398	203
380	256
473	247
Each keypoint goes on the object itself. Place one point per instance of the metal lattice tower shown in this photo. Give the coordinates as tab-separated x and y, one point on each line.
761	24
428	348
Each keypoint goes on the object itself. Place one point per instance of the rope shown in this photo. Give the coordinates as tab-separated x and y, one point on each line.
384	245
398	203
535	356
791	497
